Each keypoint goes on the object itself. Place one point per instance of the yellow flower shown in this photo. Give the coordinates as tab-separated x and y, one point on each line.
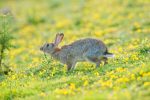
146	74
132	76
143	65
42	94
126	59
122	80
146	83
120	69
120	49
113	76
136	24
3	84
130	16
141	72
36	60
13	77
98	33
27	30
96	73
139	30
106	83
85	83
110	73
116	88
102	64
72	86
139	78
63	23
134	57
96	16
61	91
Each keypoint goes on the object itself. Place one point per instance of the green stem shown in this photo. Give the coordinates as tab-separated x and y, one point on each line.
1	57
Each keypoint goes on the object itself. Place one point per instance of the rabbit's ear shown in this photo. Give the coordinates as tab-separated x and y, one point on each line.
58	38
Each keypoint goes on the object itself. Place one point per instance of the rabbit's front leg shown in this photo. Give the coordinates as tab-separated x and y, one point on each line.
73	65
98	63
69	66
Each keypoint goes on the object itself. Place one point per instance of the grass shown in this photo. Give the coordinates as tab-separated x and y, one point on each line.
123	26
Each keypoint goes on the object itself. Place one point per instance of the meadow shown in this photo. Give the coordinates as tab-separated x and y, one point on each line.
123	25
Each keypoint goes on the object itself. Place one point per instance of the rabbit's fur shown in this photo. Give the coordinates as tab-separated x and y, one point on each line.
87	49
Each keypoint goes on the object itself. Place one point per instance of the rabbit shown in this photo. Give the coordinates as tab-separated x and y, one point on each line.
88	49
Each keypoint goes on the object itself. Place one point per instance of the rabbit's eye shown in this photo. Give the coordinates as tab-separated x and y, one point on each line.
47	45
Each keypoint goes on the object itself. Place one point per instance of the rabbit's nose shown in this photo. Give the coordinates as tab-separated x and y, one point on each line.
41	48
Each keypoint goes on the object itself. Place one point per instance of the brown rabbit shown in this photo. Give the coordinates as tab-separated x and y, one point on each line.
87	49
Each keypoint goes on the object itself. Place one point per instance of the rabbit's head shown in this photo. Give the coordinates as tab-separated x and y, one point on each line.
51	47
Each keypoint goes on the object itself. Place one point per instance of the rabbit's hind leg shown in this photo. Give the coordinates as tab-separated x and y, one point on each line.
71	66
105	60
95	60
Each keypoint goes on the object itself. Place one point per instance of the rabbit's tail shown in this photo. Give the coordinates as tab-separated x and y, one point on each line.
108	55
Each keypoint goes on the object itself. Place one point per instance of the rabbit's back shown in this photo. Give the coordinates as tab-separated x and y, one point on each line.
88	46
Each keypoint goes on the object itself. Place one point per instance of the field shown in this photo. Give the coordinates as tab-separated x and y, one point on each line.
123	25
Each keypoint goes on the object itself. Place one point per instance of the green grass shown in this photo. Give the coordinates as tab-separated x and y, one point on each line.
124	27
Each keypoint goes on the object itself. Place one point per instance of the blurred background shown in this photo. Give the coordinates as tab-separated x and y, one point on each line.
37	22
123	25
